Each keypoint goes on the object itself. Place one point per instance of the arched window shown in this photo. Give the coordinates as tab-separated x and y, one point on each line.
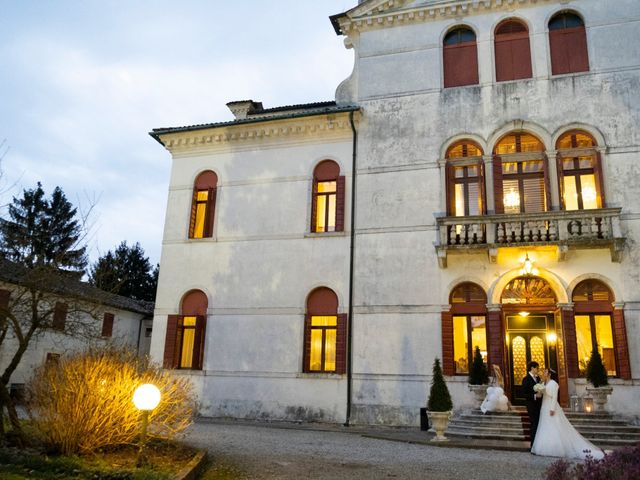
512	50
203	205
593	302
520	174
464	328
568	44
184	342
460	58
327	202
324	334
465	179
579	171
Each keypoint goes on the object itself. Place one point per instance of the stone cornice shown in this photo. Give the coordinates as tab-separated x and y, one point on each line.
393	12
296	130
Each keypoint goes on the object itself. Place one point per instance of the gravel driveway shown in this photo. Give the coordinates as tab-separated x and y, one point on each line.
263	451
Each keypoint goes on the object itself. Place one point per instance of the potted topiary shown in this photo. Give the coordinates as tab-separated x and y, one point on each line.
478	377
439	405
597	375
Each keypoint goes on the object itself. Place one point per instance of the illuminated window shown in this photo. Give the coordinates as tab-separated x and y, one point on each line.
325	334
184	341
460	58
327	203
467	329
568	44
594	330
203	205
519	174
579	172
465	180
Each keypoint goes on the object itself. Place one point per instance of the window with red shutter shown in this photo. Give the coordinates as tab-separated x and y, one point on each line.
512	51
325	344
59	316
460	58
203	205
579	171
107	324
328	198
464	327
185	337
568	44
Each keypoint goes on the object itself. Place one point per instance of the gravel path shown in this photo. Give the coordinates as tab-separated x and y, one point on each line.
256	451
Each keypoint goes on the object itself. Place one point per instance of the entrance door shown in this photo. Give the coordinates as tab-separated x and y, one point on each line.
524	347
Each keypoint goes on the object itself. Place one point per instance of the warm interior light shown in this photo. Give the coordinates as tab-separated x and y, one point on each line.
527	267
588	194
523	314
511	199
551	338
146	397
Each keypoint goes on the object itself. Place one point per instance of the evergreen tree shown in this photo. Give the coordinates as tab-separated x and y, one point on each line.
479	374
439	397
126	272
596	371
43	232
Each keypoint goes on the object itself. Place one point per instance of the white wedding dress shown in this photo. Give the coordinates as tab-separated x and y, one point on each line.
556	437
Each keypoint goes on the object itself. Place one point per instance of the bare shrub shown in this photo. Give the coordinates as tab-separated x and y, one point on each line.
85	402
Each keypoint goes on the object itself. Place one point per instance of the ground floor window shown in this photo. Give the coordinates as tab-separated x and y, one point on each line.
324	330
469	332
595	331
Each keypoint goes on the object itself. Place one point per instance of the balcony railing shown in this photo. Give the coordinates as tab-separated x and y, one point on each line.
596	228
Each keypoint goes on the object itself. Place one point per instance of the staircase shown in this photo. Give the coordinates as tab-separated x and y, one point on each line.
602	429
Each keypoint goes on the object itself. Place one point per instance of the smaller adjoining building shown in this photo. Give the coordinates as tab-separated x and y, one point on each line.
74	316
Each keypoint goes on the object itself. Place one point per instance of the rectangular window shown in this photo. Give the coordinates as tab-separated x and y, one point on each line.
201	213
107	324
604	336
59	316
187	343
523	187
52	358
326	207
469	332
322	356
592	331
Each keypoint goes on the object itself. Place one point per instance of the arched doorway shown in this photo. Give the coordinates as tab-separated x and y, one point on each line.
529	309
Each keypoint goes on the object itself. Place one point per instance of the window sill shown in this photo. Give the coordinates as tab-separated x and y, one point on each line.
324	234
571	74
186	372
321	376
203	239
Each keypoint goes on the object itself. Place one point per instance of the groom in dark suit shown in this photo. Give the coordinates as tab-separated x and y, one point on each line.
533	399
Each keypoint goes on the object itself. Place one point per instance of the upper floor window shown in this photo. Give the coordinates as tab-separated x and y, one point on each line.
327	203
184	342
579	172
107	324
465	179
203	205
568	44
325	333
519	169
512	51
460	58
59	316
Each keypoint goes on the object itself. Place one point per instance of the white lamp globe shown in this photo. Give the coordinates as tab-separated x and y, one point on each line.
146	397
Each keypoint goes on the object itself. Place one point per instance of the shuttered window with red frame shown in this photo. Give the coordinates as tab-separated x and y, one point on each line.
512	51
59	316
107	324
328	198
203	205
460	58
185	334
568	44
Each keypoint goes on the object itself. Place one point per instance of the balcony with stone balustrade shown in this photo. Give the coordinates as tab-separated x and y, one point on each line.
575	229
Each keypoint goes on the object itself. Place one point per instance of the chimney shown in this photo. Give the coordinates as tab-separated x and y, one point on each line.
244	108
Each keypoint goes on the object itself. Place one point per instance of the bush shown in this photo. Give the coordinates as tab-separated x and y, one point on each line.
84	402
479	373
596	372
439	397
621	464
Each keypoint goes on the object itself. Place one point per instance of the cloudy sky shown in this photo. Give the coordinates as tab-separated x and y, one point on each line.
82	82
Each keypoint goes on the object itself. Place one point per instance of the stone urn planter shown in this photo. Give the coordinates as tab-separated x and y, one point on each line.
439	423
599	395
479	392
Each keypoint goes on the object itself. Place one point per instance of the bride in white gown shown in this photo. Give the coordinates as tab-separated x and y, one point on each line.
556	437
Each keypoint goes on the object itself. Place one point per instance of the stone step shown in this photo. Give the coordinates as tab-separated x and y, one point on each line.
484	423
488	429
485	435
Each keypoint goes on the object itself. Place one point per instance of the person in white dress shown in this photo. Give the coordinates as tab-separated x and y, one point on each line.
556	437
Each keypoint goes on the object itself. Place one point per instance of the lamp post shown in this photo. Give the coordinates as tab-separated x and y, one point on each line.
146	397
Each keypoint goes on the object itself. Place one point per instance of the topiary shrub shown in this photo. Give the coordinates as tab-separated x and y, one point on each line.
479	373
596	372
84	402
439	397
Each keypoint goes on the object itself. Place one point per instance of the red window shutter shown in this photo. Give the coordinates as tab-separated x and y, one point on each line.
306	357
59	316
451	191
576	38
314	205
483	193
504	63
521	57
599	180
448	367
341	344
192	218
513	57
170	341
210	212
570	343
497	184
547	184
340	193
107	325
559	53
495	341
560	170
460	65
198	343
621	345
